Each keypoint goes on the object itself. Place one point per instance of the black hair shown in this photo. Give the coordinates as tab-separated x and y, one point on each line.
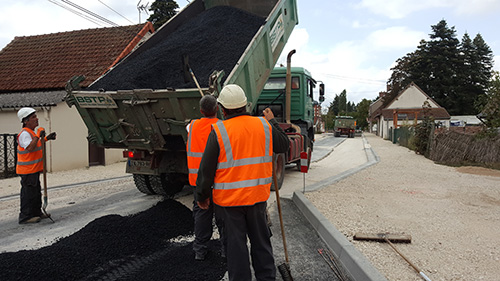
208	105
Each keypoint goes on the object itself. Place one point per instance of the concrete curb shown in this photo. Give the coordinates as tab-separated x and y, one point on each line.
356	264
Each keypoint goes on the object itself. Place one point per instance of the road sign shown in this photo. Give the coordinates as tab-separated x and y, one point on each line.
304	159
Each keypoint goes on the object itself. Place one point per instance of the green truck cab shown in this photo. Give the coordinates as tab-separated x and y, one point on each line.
298	121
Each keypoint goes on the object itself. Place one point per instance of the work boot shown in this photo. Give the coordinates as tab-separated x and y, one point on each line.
31	220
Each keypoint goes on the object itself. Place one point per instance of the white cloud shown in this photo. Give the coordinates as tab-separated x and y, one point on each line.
397	37
475	7
397	9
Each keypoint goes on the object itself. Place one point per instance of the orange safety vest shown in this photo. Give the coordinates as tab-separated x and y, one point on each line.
29	162
197	140
244	169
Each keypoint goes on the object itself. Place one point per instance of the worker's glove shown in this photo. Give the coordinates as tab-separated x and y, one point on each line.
40	132
51	136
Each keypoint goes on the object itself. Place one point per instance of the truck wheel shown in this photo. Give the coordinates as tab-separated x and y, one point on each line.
157	184
142	184
175	183
280	171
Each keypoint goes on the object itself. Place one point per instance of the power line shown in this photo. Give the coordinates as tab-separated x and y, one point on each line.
76	12
90	13
116	12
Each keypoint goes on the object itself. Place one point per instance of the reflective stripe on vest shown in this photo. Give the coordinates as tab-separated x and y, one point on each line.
244	169
29	162
195	146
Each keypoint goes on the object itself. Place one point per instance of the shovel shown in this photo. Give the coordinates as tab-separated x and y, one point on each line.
188	71
44	158
386	237
284	268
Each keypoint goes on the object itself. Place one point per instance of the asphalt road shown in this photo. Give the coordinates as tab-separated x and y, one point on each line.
73	208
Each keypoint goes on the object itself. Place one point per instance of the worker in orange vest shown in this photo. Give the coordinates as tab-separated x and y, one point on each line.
29	165
237	162
198	131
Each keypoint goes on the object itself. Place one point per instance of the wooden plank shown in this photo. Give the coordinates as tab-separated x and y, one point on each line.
395	238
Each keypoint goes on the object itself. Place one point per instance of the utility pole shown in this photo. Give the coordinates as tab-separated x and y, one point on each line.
142	8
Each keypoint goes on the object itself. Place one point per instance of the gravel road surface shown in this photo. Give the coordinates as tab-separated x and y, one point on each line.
452	215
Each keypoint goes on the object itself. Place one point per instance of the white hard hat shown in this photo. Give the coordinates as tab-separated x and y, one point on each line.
232	96
25	112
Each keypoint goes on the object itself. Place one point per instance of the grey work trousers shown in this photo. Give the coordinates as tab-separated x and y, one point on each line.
251	222
203	227
31	197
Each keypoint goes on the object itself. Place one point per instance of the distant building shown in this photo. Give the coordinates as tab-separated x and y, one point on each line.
410	106
319	124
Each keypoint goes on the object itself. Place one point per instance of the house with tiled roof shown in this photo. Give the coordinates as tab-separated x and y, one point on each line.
409	107
34	71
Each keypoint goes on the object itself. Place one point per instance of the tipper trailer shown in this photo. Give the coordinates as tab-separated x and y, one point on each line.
144	103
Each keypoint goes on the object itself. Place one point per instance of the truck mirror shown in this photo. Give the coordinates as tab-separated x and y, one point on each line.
321	92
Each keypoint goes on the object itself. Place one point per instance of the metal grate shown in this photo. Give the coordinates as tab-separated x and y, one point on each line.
8	155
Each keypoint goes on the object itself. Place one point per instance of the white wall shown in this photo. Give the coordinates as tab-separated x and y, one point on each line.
70	149
411	98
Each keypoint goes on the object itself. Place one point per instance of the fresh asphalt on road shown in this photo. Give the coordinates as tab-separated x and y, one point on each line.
331	156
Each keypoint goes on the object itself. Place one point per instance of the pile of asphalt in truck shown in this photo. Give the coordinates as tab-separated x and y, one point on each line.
136	247
213	40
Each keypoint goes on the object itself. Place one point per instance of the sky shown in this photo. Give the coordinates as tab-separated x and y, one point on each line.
347	44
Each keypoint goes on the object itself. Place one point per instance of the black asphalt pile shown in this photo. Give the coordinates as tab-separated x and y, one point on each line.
113	247
213	40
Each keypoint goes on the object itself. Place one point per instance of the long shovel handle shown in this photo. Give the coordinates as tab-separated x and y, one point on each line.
407	260
44	160
276	189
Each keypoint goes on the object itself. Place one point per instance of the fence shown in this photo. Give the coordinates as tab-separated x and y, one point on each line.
8	155
401	135
455	148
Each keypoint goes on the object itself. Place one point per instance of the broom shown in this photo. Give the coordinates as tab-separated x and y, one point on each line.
284	268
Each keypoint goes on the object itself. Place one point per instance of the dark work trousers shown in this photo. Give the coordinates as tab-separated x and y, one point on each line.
203	227
31	197
251	222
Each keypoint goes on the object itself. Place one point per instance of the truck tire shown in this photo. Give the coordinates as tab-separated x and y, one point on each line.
280	170
142	184
175	183
157	184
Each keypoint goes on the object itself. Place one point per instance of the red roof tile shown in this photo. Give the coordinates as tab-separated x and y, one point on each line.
49	61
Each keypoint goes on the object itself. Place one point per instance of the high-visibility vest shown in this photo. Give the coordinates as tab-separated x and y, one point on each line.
244	169
197	140
29	162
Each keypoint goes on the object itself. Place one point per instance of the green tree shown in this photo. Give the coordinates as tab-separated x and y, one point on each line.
362	112
163	10
455	74
491	108
400	77
437	75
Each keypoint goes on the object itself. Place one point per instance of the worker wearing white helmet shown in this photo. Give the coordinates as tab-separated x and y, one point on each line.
30	164
237	162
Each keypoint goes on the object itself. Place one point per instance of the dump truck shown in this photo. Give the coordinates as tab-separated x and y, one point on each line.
143	104
345	125
292	105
